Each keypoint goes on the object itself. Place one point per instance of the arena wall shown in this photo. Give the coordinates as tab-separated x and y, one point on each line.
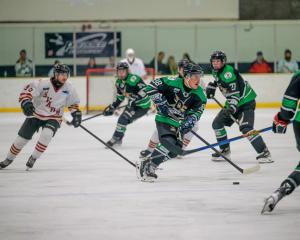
269	87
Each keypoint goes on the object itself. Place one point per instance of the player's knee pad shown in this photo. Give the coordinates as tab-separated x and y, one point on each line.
246	128
169	142
217	124
124	119
50	130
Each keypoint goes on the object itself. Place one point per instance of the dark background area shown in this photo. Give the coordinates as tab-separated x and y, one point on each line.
269	9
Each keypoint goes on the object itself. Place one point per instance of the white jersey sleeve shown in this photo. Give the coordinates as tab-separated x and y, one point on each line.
30	91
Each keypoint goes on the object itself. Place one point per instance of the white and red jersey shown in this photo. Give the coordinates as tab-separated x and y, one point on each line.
49	101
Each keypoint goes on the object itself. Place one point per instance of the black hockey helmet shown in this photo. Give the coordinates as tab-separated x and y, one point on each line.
218	55
122	66
182	62
191	69
61	68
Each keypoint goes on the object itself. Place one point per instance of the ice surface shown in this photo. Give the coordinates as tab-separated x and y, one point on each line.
79	190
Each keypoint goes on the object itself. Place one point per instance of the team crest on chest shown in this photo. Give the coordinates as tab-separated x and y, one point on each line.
133	78
228	75
185	94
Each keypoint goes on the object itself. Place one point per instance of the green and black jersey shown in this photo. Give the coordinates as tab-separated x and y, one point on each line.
184	101
235	89
132	88
290	104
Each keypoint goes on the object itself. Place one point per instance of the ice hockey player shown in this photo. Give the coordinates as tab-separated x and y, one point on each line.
43	104
240	105
130	86
281	120
180	103
154	140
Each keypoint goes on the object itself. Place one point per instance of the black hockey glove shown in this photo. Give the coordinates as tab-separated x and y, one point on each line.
28	108
108	111
228	112
211	89
163	108
279	125
132	103
76	121
187	124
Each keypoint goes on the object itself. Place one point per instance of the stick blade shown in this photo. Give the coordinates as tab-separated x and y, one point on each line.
251	169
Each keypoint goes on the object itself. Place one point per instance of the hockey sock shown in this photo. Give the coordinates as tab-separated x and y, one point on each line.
153	141
257	142
16	147
44	140
151	146
221	135
120	131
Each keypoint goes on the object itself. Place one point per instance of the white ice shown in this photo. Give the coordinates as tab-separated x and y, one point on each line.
79	190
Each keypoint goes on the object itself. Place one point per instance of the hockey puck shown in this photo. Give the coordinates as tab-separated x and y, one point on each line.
235	183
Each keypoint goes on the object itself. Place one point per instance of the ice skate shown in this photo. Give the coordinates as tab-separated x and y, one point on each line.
272	200
5	163
114	142
30	162
145	153
264	157
145	170
217	157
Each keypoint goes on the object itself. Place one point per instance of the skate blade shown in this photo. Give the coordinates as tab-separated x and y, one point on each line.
265	162
28	168
219	159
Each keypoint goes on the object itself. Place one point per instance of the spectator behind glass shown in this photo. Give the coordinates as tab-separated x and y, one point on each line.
23	65
161	67
110	65
260	65
187	57
92	63
171	67
136	65
287	65
51	71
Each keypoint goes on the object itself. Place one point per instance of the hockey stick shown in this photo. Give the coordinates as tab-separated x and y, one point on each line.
103	142
100	114
254	132
241	170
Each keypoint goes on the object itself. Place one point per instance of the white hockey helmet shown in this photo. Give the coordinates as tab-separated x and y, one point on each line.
130	54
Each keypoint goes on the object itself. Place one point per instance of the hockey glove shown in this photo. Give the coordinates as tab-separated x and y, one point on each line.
76	121
228	112
279	125
187	124
211	89
108	111
28	108
131	103
163	108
